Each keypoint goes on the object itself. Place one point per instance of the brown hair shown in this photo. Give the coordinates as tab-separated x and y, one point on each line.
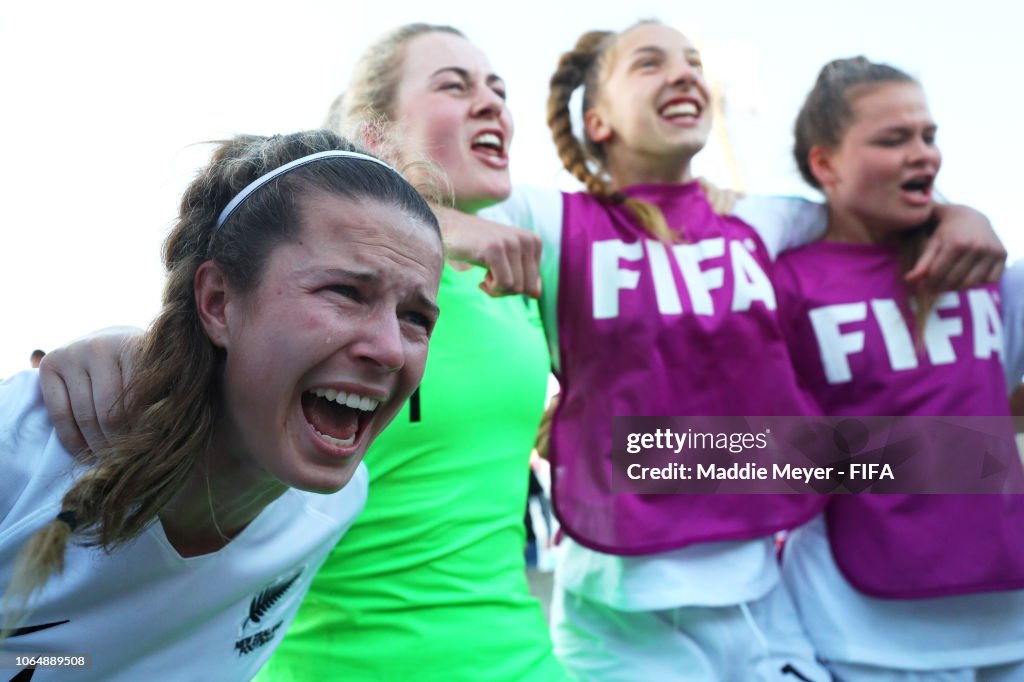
175	390
827	111
826	114
583	66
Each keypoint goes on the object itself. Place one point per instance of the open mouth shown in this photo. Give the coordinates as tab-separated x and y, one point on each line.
921	185
490	144
681	110
338	417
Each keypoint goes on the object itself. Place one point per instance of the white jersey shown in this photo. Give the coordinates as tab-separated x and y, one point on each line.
143	612
969	630
1013	323
708	574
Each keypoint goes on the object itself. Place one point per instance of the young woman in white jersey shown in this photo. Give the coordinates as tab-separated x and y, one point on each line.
300	298
899	588
448	478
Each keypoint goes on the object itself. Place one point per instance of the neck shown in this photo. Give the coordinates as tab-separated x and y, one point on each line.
849	229
224	492
636	168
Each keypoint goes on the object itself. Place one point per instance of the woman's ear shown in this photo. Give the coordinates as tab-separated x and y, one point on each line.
374	136
596	126
820	160
212	295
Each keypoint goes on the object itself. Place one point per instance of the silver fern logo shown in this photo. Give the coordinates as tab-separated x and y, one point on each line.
261	625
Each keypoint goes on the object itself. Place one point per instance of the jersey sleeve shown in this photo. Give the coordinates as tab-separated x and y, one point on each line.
25	431
1013	323
783	222
536	209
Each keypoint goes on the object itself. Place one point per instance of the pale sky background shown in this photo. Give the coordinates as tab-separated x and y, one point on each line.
103	102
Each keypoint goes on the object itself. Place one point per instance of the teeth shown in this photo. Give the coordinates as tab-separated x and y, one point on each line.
357	402
916	185
488	139
680	109
337	441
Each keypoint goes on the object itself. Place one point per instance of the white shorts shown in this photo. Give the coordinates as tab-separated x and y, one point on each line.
853	672
758	641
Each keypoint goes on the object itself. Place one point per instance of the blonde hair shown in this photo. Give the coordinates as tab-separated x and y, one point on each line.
366	109
582	67
373	89
176	400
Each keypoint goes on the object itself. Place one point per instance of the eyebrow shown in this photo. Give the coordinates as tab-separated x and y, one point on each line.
359	275
648	48
462	73
660	50
903	127
373	275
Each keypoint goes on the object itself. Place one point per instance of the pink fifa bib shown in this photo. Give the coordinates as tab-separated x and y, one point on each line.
653	329
844	310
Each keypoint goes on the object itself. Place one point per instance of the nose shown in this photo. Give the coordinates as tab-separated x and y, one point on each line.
682	74
487	103
924	152
381	343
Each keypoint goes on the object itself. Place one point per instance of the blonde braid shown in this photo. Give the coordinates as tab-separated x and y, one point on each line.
580	67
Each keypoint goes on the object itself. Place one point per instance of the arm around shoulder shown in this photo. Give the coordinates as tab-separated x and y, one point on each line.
783	223
507	239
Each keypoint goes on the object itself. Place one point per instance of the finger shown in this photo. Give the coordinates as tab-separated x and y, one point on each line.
995	273
83	409
938	269
500	278
58	404
489	287
517	265
107	403
531	268
955	276
980	272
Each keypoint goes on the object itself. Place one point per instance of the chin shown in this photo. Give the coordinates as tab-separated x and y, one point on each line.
916	218
324	482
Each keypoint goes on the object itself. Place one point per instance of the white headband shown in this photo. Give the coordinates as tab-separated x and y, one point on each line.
281	170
